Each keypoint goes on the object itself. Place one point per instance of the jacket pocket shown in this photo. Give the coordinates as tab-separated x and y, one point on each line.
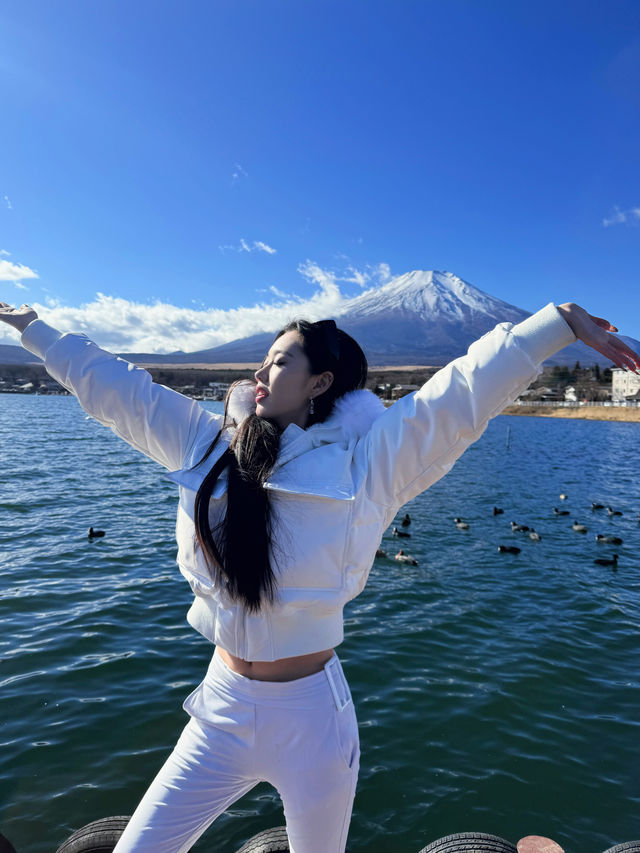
310	534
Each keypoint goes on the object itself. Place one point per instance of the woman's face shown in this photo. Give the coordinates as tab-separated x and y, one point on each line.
286	384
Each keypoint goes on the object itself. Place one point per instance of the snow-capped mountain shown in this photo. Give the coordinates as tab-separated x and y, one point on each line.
421	317
430	294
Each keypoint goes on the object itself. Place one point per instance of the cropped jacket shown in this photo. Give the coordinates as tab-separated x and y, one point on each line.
335	487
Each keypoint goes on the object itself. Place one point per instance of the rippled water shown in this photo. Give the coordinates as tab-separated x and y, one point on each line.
494	693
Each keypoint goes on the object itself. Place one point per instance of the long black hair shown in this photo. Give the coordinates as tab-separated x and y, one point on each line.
238	552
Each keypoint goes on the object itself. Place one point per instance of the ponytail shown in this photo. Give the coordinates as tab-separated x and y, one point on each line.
238	549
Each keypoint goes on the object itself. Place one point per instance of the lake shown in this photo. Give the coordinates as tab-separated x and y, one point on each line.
495	693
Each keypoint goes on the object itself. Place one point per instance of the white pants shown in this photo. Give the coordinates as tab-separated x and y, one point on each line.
301	736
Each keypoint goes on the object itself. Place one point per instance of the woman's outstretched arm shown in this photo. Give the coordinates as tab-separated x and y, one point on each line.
156	420
419	438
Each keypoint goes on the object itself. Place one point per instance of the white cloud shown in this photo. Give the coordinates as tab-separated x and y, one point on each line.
382	273
257	246
15	272
264	248
357	277
370	275
4	253
7	202
20	286
122	325
279	293
238	172
620	217
325	280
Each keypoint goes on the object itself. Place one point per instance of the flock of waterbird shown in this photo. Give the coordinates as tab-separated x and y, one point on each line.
401	557
601	538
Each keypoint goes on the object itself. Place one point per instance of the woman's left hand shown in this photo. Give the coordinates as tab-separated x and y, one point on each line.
596	333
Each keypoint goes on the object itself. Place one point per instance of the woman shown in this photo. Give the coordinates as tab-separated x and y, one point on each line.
283	503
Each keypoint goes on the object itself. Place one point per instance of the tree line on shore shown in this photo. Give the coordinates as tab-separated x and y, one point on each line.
592	383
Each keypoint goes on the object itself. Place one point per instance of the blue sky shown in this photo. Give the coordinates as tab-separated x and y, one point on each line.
177	173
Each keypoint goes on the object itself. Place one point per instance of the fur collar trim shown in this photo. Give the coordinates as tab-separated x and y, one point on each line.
353	412
242	401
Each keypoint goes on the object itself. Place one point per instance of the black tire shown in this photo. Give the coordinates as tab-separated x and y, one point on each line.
100	836
625	847
268	841
5	845
470	842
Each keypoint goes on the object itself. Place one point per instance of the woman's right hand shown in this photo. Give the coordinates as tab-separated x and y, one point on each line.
596	333
19	318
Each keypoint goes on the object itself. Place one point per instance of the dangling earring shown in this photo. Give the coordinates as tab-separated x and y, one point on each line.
311	406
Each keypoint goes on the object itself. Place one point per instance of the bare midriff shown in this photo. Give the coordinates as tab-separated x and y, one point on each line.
283	669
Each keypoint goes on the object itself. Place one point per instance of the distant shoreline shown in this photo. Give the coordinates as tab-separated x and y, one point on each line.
587	413
249	365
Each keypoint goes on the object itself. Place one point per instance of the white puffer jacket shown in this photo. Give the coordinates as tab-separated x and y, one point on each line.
335	487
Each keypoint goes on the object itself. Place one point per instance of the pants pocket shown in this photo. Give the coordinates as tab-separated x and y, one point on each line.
347	736
225	713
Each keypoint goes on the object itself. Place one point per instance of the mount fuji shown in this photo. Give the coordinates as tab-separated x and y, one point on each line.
423	318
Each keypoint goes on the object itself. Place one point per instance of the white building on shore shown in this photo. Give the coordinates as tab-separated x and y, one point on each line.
623	385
